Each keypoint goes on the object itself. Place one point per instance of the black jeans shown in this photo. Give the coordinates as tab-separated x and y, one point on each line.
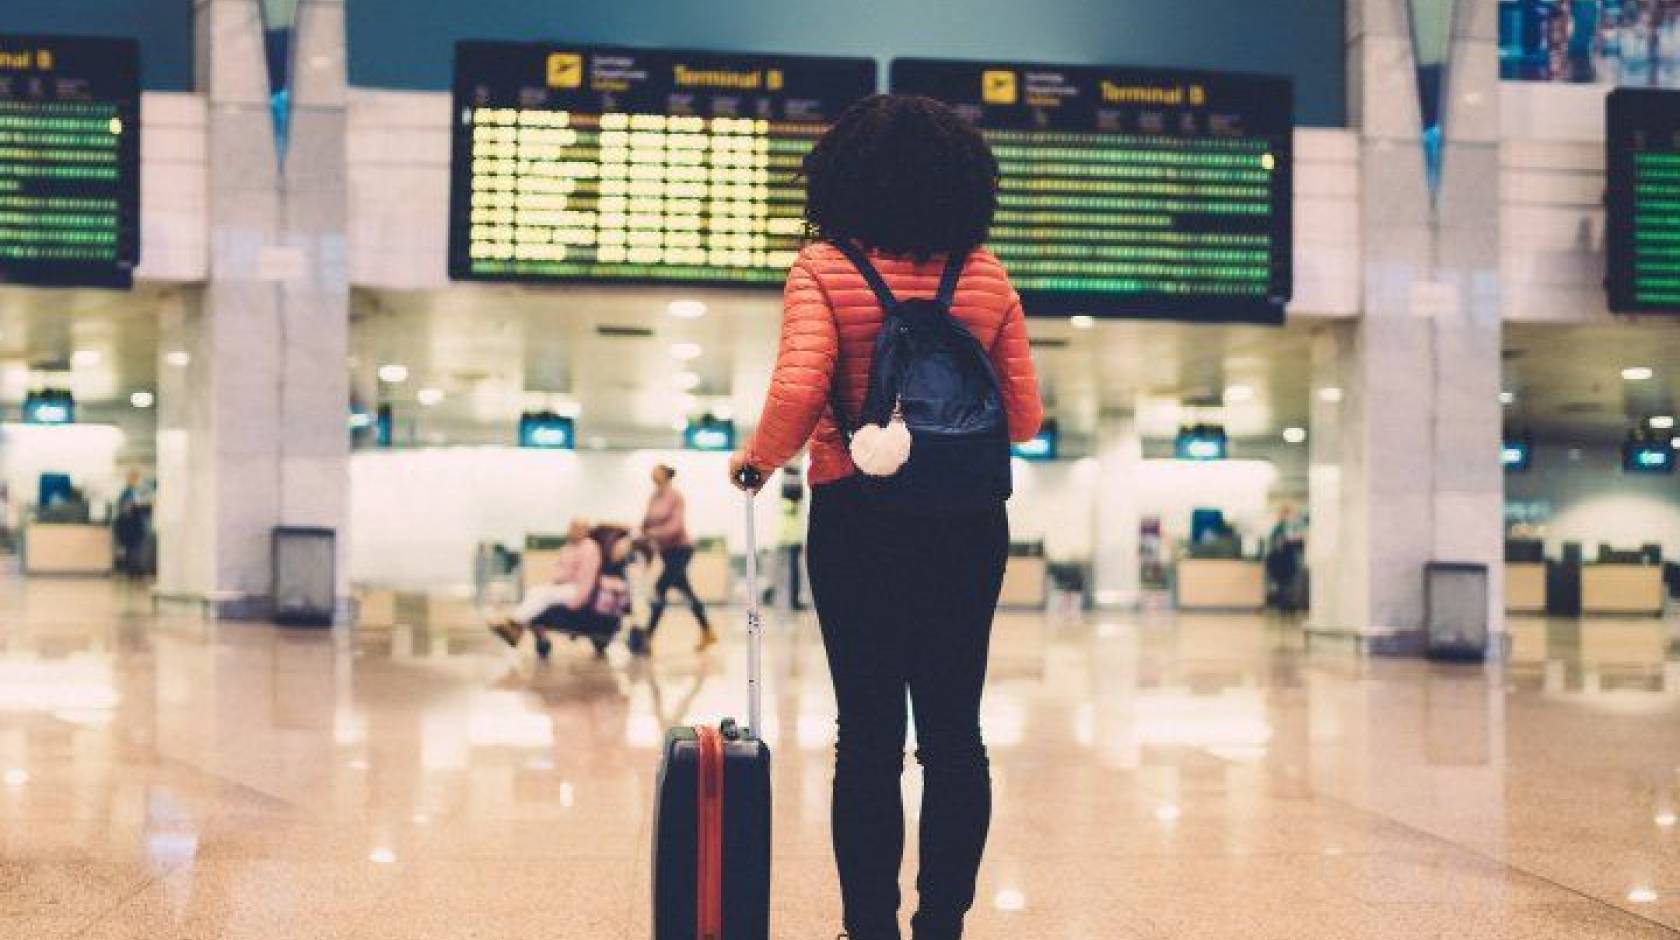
906	607
674	576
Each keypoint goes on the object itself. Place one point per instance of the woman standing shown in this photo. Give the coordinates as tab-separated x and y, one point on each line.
905	601
666	526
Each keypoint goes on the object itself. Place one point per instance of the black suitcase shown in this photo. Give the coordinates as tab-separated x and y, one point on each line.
711	822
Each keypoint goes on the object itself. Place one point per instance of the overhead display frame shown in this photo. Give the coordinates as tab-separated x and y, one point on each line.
635	166
69	161
1133	192
1642	198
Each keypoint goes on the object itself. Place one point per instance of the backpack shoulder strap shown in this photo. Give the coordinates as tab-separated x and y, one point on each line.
859	260
948	281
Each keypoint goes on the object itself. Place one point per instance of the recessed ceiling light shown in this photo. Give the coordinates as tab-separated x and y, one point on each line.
1168	813
393	373
1662	422
688	381
1330	394
142	399
685	351
1080	321
85	358
1295	435
429	396
382	856
1236	394
1642	896
16	777
179	358
1637	373
1506	398
1667	820
686	309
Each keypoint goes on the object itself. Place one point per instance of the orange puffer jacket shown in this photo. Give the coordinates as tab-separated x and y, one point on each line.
829	312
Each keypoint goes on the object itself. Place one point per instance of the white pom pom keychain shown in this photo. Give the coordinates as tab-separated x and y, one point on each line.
879	451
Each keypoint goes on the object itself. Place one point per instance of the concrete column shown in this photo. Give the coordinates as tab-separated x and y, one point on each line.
253	428
1413	444
1115	536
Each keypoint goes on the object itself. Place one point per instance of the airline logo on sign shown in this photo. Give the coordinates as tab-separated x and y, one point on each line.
565	70
998	86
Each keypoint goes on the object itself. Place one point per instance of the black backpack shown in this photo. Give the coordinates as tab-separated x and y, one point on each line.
931	368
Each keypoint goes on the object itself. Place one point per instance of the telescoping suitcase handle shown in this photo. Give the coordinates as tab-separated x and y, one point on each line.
752	480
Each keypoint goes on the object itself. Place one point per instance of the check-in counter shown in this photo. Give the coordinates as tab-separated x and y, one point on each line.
1525	587
1026	577
64	548
1220	584
1622	589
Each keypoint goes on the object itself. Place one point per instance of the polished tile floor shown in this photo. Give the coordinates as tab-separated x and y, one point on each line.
1158	776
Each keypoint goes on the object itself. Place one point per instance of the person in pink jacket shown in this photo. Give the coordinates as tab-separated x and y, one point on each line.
567	595
666	526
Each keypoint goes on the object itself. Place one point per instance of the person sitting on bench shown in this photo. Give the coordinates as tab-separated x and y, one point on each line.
564	600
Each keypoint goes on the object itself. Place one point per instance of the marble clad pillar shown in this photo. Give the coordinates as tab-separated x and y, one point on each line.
253	423
1115	522
1412	446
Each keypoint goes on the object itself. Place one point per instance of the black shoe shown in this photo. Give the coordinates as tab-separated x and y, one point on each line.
637	642
544	647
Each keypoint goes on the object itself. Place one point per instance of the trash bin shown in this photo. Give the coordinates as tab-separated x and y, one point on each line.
305	576
1456	611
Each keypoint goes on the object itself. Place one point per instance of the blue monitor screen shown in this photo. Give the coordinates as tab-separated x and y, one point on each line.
1517	456
709	434
1201	443
1647	457
1046	446
49	407
547	431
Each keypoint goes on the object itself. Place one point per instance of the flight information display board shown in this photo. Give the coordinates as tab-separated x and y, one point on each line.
69	161
1132	192
1642	189
582	163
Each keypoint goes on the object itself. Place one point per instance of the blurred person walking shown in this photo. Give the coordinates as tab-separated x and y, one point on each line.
666	526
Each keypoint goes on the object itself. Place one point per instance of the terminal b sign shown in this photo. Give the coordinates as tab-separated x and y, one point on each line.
69	161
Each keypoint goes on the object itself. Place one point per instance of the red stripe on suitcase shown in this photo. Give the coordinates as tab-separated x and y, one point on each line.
709	870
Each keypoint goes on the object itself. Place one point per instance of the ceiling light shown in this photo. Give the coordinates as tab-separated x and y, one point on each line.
688	381
685	351
1642	896
1168	813
1506	398
1667	820
1662	422
1081	321
16	777
142	399
1238	393
1637	373
686	309
1295	435
1330	394
179	358
85	358
429	396
393	373
382	856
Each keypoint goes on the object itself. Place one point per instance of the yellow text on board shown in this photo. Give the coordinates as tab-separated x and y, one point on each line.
1193	95
736	79
26	60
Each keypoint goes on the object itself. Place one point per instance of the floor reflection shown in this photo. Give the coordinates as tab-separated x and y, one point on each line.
1157	776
